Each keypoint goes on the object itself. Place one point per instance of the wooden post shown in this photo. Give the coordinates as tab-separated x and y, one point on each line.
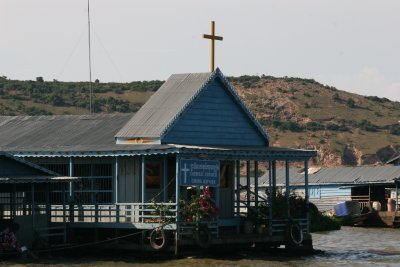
71	195
13	201
287	185
71	171
48	203
273	179
177	196
238	187
397	194
165	178
116	166
307	195
248	183
143	171
33	204
270	198
256	183
96	212
64	215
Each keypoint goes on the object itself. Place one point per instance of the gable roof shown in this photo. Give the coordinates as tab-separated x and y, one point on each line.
163	109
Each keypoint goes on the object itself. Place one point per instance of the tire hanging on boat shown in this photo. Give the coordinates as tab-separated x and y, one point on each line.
158	239
294	234
202	236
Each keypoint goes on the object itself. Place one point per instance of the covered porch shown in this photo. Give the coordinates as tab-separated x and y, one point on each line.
235	195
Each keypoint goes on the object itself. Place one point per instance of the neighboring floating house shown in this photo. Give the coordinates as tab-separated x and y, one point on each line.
23	187
330	186
171	168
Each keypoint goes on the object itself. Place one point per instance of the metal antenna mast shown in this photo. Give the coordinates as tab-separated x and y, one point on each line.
90	62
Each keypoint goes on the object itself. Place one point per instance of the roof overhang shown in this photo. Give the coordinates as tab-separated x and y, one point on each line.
36	179
231	152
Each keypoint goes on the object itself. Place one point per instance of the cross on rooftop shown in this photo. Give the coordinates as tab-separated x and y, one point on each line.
213	37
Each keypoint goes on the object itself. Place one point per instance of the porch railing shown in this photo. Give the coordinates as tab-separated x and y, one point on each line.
364	200
115	213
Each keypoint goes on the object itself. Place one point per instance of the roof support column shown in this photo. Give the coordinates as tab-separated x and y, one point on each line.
237	188
307	193
33	204
397	194
48	203
287	185
143	174
71	172
248	183
273	180
116	180
270	199
165	177
177	196
13	201
256	183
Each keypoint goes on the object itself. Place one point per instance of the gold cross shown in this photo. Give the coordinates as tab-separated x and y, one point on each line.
213	37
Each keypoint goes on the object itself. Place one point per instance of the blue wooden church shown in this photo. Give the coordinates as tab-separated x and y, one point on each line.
168	175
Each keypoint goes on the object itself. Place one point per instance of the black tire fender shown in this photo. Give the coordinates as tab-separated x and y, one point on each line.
202	236
158	239
294	233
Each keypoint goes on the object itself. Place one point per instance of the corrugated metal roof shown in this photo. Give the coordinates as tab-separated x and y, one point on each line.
160	112
61	132
163	106
38	173
93	135
340	175
29	164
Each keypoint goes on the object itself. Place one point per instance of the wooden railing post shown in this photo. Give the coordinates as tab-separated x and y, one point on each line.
117	213
71	212
96	212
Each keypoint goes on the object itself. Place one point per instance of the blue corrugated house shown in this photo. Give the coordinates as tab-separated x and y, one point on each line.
330	186
142	172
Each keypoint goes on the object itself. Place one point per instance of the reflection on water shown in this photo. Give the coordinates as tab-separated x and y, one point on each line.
347	247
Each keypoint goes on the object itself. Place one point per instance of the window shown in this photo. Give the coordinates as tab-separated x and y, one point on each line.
95	185
153	174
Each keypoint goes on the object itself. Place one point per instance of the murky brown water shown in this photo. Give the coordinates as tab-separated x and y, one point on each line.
347	247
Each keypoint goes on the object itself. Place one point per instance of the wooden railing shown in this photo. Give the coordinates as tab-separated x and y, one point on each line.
364	200
116	213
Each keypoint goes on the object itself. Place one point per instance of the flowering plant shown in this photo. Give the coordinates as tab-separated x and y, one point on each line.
199	208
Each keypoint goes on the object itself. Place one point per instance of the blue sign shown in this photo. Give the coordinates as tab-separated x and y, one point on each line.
199	172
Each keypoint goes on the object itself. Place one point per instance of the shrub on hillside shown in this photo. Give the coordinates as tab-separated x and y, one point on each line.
351	103
394	129
314	126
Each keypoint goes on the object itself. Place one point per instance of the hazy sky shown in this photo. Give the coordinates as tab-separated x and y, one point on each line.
353	45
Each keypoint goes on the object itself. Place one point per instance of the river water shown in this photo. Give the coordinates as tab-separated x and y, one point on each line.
350	246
